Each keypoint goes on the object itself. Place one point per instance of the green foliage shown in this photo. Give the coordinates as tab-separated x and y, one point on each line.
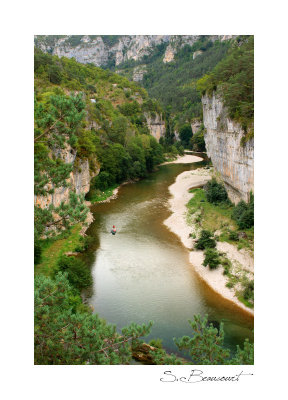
206	345
54	73
67	333
110	40
233	77
212	258
63	120
206	240
85	145
233	236
156	343
248	292
197	142
173	84
244	356
216	192
118	163
37	252
74	40
78	275
150	105
41	60
51	220
243	213
185	134
129	109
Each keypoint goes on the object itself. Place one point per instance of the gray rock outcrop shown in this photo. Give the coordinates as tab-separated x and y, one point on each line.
155	124
78	182
93	49
232	158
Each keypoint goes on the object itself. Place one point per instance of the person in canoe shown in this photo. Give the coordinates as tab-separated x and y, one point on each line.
113	230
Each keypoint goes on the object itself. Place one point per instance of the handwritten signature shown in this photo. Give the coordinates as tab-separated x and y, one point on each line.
196	375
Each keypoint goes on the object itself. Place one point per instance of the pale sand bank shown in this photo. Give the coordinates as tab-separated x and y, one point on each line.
186	159
178	224
180	197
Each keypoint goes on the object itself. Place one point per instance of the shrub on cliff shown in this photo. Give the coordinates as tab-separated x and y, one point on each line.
216	192
205	241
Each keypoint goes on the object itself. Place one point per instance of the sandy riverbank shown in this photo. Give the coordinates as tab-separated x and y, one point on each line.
186	159
178	224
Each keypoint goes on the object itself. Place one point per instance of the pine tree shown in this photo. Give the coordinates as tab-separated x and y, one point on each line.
67	333
57	124
206	345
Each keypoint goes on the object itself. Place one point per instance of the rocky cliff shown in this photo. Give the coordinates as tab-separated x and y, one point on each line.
78	182
233	159
100	51
155	124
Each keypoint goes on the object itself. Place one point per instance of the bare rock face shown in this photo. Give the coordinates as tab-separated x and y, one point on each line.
197	53
195	125
155	124
169	54
138	73
78	182
234	161
92	49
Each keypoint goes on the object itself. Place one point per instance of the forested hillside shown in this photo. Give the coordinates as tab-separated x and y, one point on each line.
173	84
85	113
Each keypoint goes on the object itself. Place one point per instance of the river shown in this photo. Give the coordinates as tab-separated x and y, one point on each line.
143	272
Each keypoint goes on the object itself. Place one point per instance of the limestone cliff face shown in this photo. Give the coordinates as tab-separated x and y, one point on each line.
155	124
195	125
197	53
138	73
92	49
169	54
235	162
78	182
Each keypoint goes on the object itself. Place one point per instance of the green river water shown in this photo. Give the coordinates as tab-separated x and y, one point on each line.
143	272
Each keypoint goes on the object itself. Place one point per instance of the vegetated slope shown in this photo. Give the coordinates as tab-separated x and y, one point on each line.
228	114
233	78
85	113
173	84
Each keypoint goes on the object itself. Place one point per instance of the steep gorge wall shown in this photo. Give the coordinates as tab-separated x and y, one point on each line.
127	47
234	161
156	125
78	182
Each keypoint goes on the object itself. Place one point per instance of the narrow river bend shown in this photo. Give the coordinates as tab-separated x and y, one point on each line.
143	272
